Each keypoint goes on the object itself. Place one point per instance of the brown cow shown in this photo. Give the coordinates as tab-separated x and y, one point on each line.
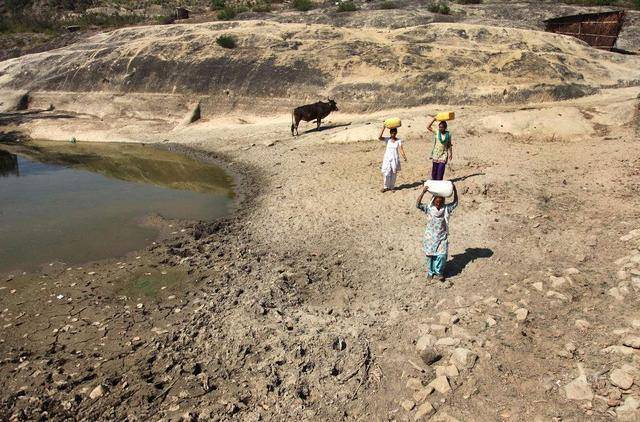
317	112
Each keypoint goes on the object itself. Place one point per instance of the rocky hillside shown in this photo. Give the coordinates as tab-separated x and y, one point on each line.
277	65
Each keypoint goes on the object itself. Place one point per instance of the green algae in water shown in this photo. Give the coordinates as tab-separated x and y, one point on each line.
82	202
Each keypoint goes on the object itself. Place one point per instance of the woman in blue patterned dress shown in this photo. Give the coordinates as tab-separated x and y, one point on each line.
436	236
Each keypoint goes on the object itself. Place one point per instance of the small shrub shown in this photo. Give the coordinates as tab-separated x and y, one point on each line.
469	1
388	4
347	6
218	4
261	7
302	5
227	14
441	8
226	41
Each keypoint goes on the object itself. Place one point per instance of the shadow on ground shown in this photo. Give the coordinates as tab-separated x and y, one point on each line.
323	128
421	182
461	260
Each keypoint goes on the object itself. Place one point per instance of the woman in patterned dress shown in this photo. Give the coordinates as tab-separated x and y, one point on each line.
436	236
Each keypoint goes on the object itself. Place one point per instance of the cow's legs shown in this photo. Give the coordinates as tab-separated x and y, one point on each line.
318	123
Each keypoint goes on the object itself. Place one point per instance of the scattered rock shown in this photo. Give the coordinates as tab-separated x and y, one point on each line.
521	314
538	286
450	371
441	384
448	342
491	322
579	389
622	350
621	379
616	293
407	405
572	271
631	404
424	411
557	282
582	324
556	295
425	341
632	342
438	330
463	358
444	317
193	115
430	355
97	392
414	384
422	394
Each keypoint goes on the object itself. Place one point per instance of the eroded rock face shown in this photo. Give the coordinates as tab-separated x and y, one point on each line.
293	63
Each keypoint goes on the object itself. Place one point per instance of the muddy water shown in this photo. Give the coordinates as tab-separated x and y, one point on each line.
77	203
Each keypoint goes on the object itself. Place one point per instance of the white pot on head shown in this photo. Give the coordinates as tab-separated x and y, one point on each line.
440	187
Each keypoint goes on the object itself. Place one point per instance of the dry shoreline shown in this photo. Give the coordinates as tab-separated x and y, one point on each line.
310	302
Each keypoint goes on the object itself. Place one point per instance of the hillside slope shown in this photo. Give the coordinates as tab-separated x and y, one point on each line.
364	69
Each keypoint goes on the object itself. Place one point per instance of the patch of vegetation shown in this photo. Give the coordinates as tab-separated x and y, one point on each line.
218	4
262	7
226	41
469	1
347	6
229	13
388	5
302	5
439	7
105	21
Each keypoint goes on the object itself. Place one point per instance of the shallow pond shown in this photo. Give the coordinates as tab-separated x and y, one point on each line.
81	202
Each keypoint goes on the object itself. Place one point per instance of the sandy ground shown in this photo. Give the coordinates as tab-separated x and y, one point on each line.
312	301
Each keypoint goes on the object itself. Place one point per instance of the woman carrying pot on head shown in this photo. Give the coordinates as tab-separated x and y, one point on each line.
442	151
436	235
391	159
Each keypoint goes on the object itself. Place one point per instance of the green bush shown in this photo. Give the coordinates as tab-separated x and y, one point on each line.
347	6
388	4
227	13
637	3
302	5
226	41
442	8
218	4
262	7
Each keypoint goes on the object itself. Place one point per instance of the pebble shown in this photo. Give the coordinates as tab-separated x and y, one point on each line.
444	317
463	358
538	286
441	384
425	341
97	392
422	394
438	330
140	305
424	411
632	342
572	271
622	274
556	295
491	322
631	404
449	371
521	314
408	405
621	379
557	282
582	324
430	355
615	293
448	342
414	384
579	389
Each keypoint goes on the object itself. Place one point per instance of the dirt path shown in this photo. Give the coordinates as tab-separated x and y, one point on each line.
312	302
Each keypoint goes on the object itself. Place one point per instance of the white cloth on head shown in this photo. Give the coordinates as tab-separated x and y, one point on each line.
391	159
